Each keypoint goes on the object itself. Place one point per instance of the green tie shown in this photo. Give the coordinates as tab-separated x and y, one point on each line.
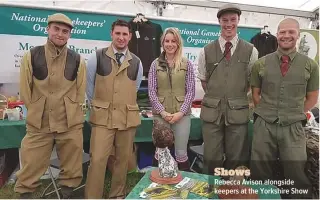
118	57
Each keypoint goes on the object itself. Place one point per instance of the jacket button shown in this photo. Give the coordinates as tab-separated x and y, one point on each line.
50	110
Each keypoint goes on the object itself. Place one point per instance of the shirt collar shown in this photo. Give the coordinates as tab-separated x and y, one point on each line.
233	41
291	55
54	50
116	51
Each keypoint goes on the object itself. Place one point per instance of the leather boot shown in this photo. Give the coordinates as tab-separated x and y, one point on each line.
27	195
184	166
155	162
66	192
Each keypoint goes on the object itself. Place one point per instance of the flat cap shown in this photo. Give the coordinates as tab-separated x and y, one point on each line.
60	18
229	8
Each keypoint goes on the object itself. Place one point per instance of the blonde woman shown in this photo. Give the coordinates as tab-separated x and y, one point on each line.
171	87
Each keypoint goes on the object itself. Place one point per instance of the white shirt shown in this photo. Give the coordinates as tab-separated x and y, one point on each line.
222	42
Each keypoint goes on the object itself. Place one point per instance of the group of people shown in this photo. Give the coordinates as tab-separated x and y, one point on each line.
284	86
54	80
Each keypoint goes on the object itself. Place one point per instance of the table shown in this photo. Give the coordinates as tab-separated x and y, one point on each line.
145	182
12	132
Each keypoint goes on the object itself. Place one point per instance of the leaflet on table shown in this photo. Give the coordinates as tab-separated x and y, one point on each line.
203	189
157	191
143	194
181	190
200	188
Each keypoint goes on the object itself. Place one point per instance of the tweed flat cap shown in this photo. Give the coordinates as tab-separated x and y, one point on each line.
60	18
229	8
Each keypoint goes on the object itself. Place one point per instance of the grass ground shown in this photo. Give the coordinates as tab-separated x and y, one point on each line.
6	192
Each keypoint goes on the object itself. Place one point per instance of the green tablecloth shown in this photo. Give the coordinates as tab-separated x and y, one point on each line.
145	182
12	132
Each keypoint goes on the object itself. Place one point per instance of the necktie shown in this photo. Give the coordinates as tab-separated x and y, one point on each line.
284	64
227	50
118	56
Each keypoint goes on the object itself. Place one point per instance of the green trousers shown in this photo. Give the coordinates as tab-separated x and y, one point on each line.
272	142
225	146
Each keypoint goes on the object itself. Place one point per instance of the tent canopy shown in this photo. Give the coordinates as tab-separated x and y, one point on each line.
304	5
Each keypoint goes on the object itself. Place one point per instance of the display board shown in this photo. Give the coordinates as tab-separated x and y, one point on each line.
25	27
309	43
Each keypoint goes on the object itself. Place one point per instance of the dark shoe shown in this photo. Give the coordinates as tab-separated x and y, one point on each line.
155	162
66	192
184	166
27	195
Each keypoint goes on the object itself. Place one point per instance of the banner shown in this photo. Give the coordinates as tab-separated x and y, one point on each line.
24	27
309	43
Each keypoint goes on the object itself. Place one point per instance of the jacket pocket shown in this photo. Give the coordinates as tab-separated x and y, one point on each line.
245	62
133	116
35	112
99	113
298	137
296	90
75	115
161	99
179	102
210	110
238	111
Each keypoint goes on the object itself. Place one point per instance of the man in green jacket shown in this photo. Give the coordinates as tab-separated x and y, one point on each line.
224	71
285	85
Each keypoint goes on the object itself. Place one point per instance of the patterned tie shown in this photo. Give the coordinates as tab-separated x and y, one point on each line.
227	50
118	57
284	64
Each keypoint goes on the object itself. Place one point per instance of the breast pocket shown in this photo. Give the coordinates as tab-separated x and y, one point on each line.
243	62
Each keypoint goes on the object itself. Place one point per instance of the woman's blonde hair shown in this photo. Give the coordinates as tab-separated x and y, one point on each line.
178	54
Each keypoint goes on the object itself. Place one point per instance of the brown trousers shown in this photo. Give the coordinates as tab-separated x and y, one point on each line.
36	149
101	144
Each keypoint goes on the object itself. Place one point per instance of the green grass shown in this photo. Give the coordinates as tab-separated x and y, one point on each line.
7	192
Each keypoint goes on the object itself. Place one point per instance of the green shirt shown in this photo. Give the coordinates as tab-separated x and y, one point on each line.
311	71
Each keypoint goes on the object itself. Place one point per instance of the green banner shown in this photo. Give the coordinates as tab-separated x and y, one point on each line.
93	26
